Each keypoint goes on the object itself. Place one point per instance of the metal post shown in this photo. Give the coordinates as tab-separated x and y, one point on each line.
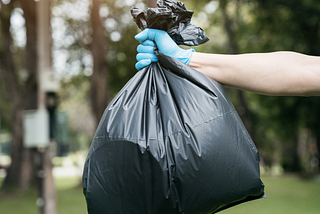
40	175
47	193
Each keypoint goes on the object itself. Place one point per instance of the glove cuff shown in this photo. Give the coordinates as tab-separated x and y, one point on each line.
186	55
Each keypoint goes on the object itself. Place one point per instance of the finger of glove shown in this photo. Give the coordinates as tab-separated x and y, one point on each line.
143	56
145	49
148	43
164	42
147	34
142	63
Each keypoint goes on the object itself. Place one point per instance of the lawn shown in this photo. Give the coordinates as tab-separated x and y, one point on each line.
287	194
70	199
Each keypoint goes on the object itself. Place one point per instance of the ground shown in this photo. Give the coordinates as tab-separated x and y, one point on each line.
285	194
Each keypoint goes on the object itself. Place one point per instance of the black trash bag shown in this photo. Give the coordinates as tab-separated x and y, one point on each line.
170	142
173	18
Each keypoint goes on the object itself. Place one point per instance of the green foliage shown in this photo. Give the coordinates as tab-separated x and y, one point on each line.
74	101
121	54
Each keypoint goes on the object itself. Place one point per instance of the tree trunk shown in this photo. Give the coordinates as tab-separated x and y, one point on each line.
19	172
29	9
317	137
31	85
99	85
24	96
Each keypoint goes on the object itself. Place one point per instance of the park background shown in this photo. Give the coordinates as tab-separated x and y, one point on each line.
93	55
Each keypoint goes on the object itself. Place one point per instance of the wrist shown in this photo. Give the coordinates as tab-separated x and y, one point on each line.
185	55
208	64
196	61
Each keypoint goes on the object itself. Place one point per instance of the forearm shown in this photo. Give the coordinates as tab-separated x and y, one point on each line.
277	73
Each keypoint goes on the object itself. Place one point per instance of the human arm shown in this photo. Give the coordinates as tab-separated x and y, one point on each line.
276	73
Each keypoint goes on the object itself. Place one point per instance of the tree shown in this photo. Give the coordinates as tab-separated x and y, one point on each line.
20	172
99	85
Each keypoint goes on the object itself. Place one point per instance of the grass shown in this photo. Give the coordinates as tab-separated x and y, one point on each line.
70	199
287	194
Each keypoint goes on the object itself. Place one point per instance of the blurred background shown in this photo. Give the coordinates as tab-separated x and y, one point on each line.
83	52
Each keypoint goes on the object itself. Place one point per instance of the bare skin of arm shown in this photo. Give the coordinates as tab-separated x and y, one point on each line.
276	73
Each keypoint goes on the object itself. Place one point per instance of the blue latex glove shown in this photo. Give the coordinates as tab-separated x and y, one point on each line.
165	45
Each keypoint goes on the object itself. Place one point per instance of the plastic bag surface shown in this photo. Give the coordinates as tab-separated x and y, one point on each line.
173	18
170	142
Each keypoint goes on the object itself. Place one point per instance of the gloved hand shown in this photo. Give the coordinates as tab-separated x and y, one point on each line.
165	45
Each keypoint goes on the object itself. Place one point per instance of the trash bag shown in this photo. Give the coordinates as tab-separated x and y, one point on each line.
173	18
170	142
